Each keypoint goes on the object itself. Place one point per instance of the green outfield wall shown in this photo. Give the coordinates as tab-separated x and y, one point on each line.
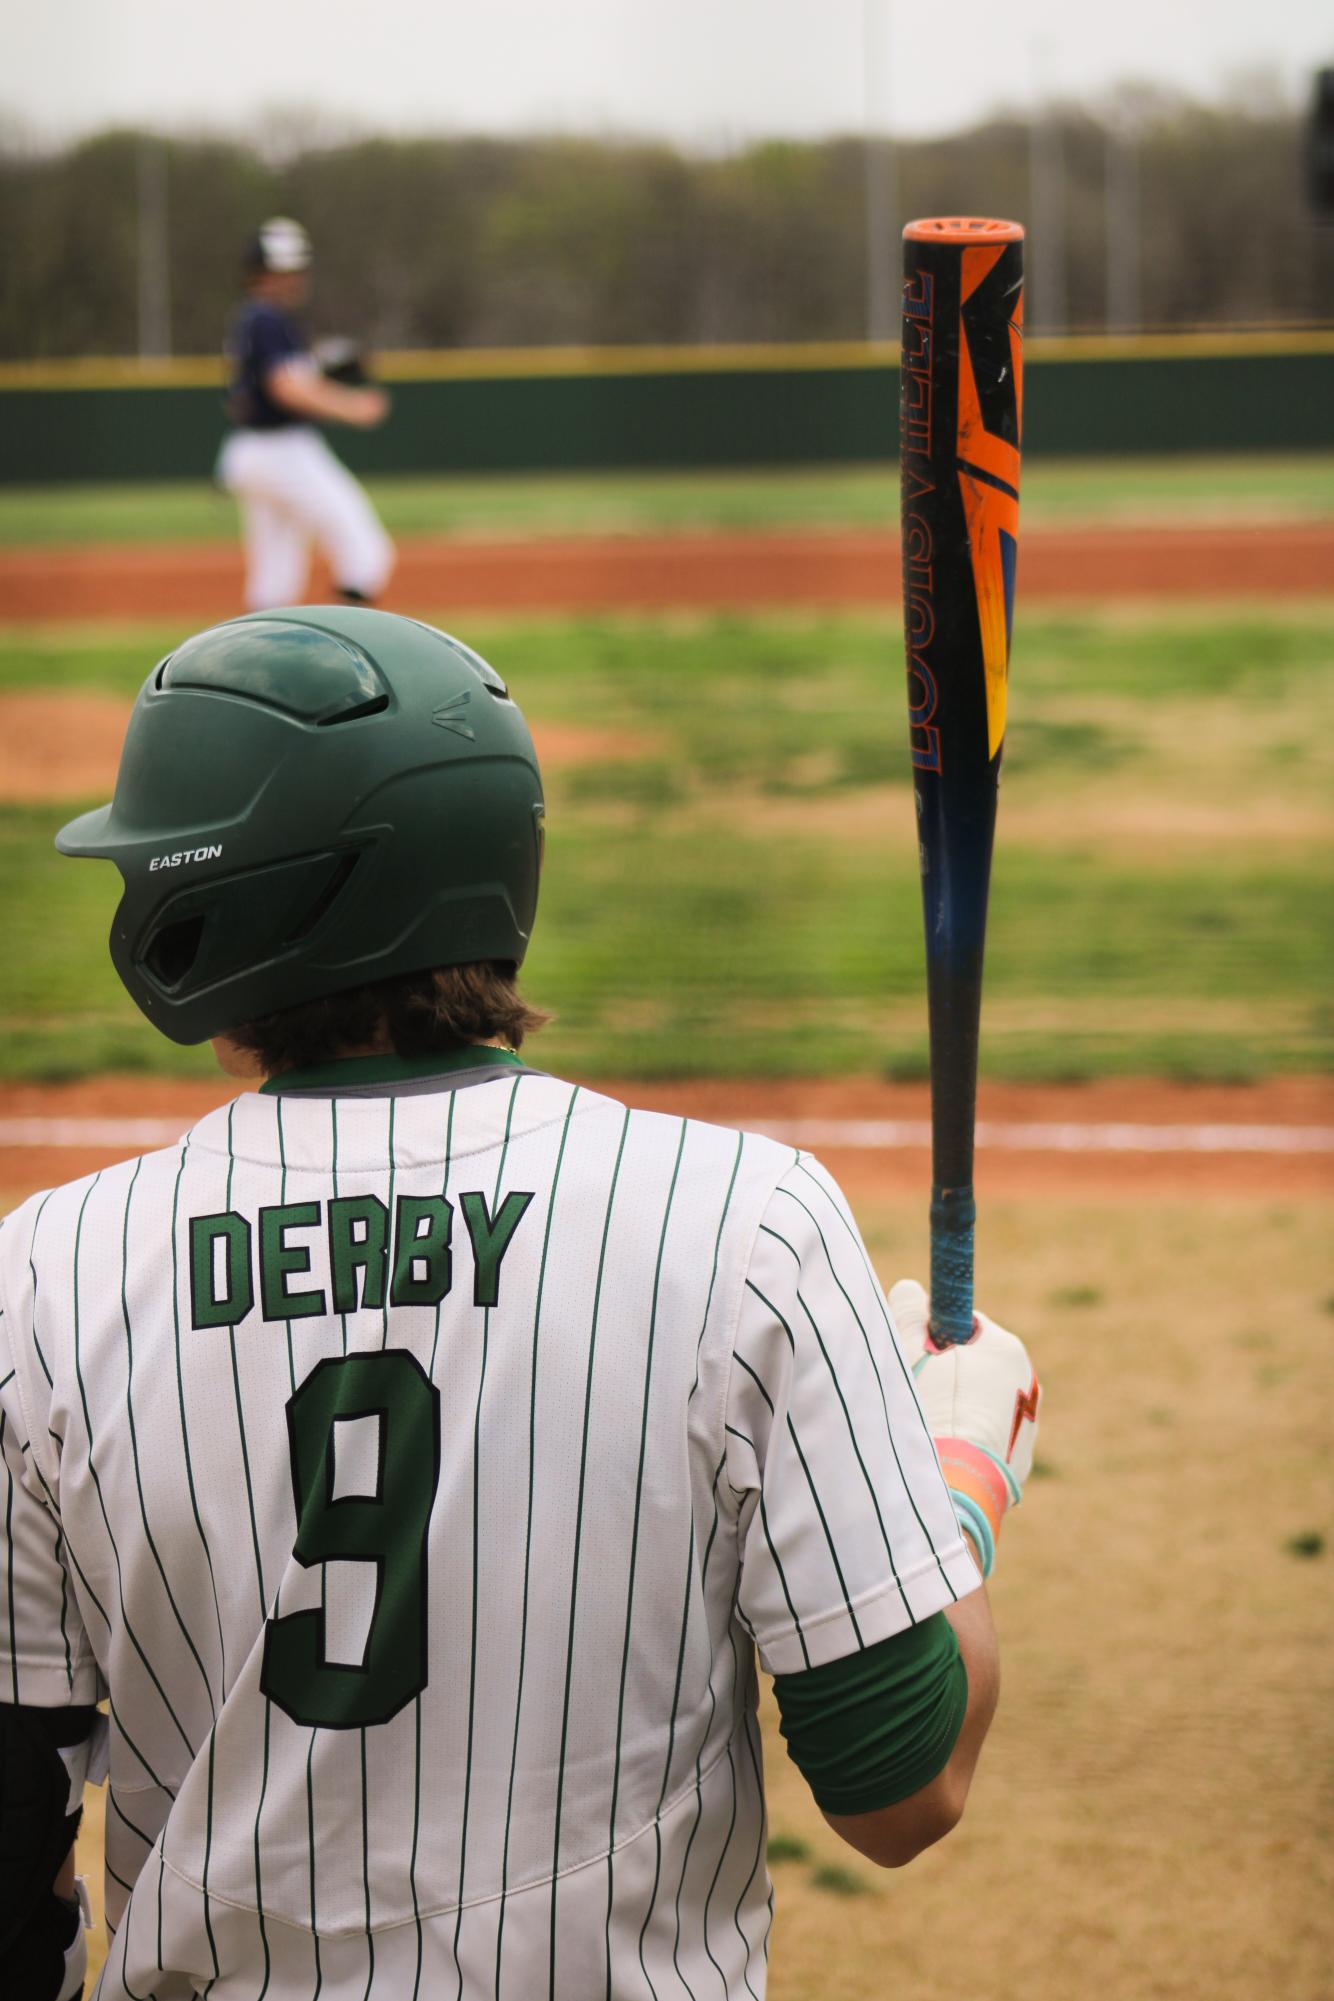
555	410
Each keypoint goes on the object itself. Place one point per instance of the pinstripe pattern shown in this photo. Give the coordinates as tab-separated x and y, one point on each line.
578	1542
704	1571
130	1633
837	1390
32	1273
184	1424
310	1749
181	1626
477	1560
528	1531
802	1461
64	1612
630	1596
674	1428
889	1347
667	1766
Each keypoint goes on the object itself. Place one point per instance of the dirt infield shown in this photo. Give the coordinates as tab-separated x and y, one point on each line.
694	571
1202	1132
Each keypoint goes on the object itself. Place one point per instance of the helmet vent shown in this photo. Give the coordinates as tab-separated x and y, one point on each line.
374	707
173	952
333	888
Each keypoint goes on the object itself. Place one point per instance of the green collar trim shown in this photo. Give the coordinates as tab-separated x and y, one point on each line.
353	1071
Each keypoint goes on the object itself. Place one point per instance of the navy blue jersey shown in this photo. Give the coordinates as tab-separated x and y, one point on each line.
260	337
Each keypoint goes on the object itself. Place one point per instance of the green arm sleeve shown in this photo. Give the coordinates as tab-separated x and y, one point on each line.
877	1726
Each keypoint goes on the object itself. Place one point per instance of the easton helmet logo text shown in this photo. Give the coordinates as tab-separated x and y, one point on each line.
184	855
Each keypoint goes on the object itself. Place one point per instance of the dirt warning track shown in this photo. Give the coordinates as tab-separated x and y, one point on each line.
199	581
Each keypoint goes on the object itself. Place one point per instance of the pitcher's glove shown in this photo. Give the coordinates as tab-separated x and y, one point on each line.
343	361
980	1398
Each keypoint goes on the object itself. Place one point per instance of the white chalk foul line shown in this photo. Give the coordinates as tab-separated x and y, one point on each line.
1053	1137
869	1135
140	1135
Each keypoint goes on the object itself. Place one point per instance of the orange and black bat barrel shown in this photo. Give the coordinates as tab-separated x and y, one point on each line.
961	418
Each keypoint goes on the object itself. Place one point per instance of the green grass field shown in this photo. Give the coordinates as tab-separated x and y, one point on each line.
1139	490
732	883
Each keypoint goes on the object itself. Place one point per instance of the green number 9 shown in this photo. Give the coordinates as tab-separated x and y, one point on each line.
387	1528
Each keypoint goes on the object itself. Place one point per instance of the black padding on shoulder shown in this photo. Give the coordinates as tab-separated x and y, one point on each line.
34	1965
36	1833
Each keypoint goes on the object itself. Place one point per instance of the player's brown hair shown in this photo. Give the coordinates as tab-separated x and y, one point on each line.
421	1014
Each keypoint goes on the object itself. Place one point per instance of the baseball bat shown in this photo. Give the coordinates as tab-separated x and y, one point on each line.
961	410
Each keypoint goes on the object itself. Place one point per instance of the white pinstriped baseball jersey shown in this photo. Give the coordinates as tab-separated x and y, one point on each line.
420	1472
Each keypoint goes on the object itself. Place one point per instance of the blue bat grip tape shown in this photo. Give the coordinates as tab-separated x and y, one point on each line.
953	1215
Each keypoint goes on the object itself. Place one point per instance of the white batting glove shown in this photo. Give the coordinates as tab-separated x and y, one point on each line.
980	1398
76	1953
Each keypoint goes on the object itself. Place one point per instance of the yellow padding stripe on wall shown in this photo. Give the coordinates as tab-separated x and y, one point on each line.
472	364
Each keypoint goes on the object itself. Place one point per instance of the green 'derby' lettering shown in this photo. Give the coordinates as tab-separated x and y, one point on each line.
222	1290
358	1241
354	1255
491	1237
278	1257
423	1265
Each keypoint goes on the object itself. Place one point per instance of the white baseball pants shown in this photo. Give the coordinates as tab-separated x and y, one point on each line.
292	492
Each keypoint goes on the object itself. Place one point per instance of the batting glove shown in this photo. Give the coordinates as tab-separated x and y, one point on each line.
980	1398
80	1914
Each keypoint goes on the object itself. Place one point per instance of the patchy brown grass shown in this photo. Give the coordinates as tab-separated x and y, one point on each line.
59	745
1152	1815
66	744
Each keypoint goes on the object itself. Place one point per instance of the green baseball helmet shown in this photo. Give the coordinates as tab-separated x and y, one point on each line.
308	800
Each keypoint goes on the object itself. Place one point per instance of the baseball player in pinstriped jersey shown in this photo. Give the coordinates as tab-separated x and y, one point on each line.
420	1452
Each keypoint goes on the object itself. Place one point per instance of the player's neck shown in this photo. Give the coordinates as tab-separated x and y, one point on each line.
238	1061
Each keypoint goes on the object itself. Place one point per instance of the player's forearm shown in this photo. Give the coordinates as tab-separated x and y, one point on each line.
306	393
893	1835
64	1883
973	1628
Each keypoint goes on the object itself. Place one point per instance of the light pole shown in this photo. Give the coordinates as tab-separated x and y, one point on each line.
1121	197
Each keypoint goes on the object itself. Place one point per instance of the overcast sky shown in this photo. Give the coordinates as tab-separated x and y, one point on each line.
704	72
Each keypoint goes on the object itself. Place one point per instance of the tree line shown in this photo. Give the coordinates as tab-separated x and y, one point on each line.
1156	213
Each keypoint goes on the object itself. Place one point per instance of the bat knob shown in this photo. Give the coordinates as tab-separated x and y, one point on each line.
938	1342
